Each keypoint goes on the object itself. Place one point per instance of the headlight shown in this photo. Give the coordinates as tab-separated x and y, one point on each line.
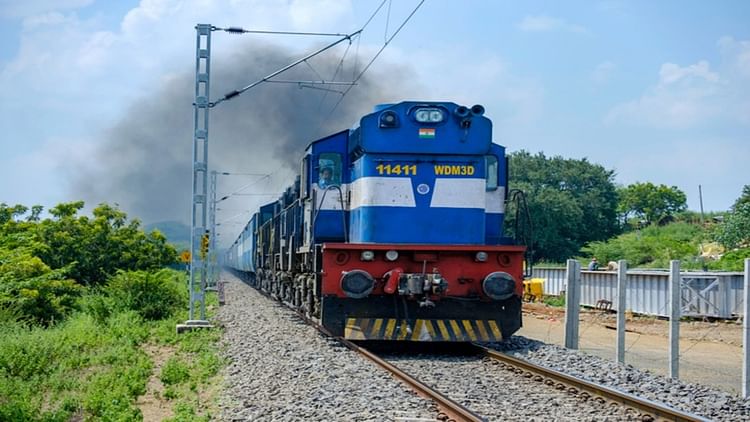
367	255
481	256
428	115
388	119
391	255
499	285
357	284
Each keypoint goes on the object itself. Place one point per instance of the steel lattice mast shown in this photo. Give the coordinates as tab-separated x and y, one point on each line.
201	106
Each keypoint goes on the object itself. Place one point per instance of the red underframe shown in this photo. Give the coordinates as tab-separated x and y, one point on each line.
456	264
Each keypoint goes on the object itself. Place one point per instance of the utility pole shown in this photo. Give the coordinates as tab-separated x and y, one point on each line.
201	106
200	245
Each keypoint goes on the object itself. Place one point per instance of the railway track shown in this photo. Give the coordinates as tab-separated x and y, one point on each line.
649	410
452	411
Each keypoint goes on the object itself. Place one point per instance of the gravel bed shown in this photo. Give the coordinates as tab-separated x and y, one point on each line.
282	369
704	401
498	394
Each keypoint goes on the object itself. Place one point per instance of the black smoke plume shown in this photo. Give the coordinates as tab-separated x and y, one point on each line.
143	162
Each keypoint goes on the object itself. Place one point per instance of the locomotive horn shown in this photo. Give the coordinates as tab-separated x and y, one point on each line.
477	110
461	112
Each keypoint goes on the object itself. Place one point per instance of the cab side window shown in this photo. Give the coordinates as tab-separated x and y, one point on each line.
329	169
490	162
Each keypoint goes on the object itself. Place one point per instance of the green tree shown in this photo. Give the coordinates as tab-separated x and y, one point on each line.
734	231
571	202
650	202
744	197
95	248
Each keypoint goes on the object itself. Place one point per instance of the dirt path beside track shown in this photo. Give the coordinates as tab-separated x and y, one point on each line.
710	352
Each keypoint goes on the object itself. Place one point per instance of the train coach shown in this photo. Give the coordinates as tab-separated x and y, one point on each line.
393	230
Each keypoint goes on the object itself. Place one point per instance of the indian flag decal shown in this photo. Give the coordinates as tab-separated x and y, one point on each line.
426	133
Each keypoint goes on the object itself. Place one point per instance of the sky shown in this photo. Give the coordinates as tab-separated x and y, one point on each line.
656	91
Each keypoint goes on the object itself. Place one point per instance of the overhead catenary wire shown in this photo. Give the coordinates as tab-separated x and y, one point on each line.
236	92
240	30
380	51
239	190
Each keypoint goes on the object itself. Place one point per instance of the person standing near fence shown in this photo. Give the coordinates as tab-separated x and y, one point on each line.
594	264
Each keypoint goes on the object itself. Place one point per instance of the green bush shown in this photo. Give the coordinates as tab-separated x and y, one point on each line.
35	292
98	305
653	246
174	372
554	300
731	261
153	295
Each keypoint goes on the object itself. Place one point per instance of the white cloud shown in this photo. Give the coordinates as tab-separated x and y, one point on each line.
24	8
671	73
603	72
692	95
737	54
544	23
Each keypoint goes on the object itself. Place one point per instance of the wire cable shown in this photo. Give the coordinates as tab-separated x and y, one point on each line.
367	67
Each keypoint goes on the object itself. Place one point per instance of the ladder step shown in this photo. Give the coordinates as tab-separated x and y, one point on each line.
203	53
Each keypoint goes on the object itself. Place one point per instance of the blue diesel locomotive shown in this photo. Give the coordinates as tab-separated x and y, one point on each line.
394	230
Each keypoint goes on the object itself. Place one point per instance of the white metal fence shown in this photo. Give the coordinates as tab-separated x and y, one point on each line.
704	294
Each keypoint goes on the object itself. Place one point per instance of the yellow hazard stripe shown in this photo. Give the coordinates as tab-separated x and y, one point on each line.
417	330
389	328
483	336
352	330
375	331
403	330
495	329
443	330
430	330
456	330
422	329
469	330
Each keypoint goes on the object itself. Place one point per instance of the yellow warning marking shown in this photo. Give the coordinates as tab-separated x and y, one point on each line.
389	329
482	331
430	329
352	330
495	330
443	330
364	325
469	330
416	334
375	331
403	331
456	330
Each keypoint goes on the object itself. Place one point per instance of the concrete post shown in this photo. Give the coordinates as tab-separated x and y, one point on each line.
572	302
622	282
675	305
746	333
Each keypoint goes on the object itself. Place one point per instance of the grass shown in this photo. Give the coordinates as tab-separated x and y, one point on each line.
95	367
558	301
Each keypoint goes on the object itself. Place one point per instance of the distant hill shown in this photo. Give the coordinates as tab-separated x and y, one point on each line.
177	233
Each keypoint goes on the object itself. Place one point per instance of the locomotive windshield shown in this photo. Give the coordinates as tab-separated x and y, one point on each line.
329	170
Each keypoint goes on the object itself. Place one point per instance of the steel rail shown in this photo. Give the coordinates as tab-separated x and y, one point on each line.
647	407
451	409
